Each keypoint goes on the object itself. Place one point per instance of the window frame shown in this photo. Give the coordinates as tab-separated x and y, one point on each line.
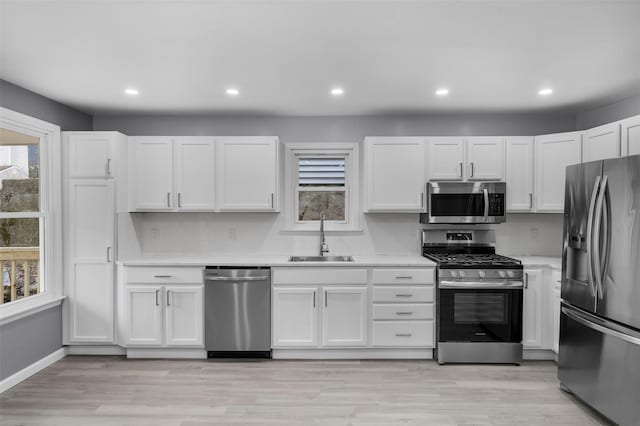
49	215
347	150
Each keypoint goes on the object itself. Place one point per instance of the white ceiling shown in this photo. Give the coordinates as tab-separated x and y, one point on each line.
284	56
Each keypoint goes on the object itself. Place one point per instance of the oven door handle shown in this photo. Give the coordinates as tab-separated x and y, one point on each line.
485	285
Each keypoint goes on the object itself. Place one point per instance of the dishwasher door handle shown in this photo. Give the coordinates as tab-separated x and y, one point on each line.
235	279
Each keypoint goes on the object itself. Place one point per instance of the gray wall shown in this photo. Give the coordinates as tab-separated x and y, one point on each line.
29	339
32	104
339	128
606	114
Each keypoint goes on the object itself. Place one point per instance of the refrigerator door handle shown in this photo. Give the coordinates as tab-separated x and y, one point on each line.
606	220
592	206
597	242
601	325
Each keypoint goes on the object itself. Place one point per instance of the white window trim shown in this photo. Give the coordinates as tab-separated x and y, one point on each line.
349	150
50	209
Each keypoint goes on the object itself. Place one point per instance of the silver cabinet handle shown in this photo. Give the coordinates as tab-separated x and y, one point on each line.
162	276
404	277
404	334
471	166
157	297
179	199
108	254
530	200
461	169
169	199
404	295
314	298
272	195
526	280
404	313
168	297
107	167
326	303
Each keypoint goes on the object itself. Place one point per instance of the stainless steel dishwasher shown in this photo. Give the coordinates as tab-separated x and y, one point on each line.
237	311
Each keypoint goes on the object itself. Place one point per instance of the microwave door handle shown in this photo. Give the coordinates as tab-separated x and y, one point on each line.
486	204
592	207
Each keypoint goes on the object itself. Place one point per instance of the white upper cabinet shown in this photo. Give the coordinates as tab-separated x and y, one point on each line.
519	176
631	136
247	173
194	159
395	173
601	142
476	158
151	173
446	158
553	154
90	154
485	158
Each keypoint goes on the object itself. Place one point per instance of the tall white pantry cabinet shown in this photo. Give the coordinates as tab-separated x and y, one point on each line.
93	164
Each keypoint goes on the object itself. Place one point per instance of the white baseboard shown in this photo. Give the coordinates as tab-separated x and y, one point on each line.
96	350
539	355
167	353
32	369
365	353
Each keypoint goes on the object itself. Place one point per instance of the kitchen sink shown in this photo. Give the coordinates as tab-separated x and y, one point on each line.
321	259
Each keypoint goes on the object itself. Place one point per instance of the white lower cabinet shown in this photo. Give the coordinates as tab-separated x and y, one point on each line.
403	333
532	309
556	276
161	311
344	319
295	317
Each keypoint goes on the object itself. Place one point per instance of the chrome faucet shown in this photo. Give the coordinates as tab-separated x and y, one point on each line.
324	248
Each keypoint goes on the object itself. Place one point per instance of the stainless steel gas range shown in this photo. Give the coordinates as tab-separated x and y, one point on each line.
479	298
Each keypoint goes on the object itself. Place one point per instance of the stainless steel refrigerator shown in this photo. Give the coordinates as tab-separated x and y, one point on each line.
599	358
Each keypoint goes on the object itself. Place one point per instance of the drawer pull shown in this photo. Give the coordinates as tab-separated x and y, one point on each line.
162	276
404	334
404	313
406	277
404	295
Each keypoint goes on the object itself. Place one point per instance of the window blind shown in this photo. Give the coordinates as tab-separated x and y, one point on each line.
321	172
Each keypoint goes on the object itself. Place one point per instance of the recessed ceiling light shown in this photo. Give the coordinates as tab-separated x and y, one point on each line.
233	92
132	92
545	92
442	92
337	91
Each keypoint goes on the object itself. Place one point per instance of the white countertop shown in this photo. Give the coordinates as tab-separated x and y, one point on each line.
552	262
252	260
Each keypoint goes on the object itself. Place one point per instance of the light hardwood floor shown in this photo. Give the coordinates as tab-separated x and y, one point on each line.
92	391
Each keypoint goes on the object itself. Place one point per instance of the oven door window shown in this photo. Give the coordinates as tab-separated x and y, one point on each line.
480	315
457	204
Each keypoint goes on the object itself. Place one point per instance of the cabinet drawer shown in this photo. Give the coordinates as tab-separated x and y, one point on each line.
403	276
403	333
303	275
403	311
163	275
403	294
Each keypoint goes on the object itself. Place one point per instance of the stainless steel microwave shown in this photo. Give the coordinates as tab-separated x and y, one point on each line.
465	202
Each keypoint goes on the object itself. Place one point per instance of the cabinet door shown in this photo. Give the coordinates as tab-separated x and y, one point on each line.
446	158
556	318
183	315
89	221
532	317
601	142
247	174
395	176
194	173
485	158
344	316
295	317
553	154
89	155
519	177
143	315
151	172
631	136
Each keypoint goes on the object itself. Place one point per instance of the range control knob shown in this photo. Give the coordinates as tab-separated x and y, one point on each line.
482	274
461	273
454	273
502	274
510	274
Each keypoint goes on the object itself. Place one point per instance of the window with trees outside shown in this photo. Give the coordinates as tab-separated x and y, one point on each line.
21	217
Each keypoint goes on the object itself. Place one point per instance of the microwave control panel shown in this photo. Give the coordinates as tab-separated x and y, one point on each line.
496	204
